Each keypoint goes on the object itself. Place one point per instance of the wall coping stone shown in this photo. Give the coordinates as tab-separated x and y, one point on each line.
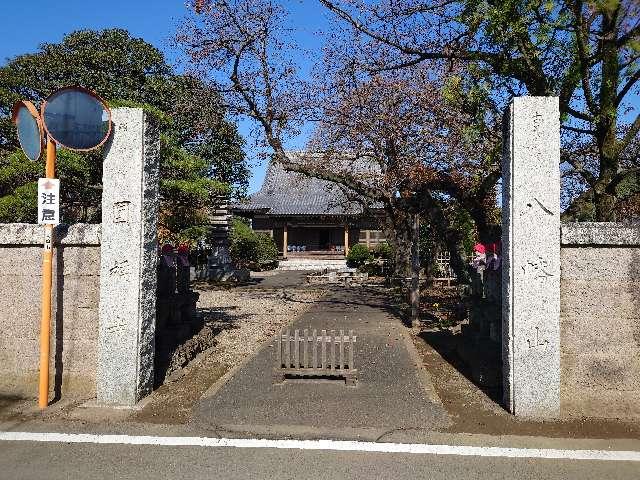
33	234
600	233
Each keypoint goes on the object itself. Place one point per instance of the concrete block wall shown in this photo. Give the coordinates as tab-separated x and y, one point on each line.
74	326
600	320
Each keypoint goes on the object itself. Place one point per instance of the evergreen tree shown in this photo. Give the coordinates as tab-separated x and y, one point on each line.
201	150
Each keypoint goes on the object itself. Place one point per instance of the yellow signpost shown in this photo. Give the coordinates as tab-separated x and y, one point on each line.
47	269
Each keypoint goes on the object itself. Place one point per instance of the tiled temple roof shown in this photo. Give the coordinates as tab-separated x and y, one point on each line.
289	193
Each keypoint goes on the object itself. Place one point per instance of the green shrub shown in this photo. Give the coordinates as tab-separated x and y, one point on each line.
267	252
21	205
255	251
239	228
358	255
384	250
374	268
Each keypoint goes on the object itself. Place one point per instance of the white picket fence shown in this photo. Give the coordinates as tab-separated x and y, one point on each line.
443	260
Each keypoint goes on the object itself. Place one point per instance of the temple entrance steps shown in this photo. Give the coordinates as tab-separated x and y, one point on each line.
312	264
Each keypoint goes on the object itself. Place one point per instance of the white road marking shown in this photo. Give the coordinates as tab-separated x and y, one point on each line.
330	445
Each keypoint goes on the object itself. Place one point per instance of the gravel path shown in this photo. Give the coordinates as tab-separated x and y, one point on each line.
242	319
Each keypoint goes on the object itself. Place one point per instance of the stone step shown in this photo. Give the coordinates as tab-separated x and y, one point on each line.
311	264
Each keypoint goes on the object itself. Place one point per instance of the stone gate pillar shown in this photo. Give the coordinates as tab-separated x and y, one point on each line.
531	257
128	260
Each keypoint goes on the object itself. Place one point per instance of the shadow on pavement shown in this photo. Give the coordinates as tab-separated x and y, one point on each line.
447	345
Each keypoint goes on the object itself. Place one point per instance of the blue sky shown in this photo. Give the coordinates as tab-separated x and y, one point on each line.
25	24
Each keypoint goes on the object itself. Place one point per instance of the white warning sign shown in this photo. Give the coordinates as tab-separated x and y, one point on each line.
48	201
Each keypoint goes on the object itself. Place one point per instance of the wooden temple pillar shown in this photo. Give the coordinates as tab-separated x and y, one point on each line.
346	239
285	240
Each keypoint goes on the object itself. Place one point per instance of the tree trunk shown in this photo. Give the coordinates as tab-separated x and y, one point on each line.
581	208
452	240
398	235
403	255
414	290
487	232
404	235
429	262
458	259
605	205
606	120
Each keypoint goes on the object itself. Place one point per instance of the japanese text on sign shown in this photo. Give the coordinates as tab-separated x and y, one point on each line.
48	201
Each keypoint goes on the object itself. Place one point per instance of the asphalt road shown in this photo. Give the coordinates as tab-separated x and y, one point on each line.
35	460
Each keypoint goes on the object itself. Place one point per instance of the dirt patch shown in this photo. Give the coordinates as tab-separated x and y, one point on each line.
9	403
172	402
442	306
477	410
244	319
186	352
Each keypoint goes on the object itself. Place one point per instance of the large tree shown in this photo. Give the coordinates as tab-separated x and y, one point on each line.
427	152
400	123
201	151
584	51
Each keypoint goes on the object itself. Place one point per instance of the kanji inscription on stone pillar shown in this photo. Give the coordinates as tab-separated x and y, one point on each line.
531	257
128	260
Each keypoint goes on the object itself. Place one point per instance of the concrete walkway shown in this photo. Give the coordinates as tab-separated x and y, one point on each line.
392	393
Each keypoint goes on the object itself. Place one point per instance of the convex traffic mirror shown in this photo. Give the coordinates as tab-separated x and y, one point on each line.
76	118
29	126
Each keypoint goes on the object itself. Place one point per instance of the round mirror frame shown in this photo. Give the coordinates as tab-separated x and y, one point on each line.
90	93
36	116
